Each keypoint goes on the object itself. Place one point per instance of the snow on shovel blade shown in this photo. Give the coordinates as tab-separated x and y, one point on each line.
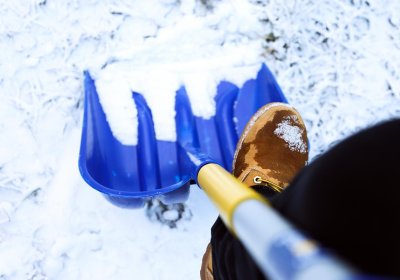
129	175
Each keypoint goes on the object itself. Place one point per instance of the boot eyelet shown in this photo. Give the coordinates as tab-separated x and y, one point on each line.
257	180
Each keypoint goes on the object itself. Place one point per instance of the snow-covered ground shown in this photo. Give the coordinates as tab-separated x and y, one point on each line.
338	62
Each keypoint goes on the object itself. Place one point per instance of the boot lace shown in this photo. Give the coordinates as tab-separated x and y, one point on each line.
261	181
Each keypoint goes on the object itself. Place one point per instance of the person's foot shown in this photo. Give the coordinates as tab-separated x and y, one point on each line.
273	147
206	271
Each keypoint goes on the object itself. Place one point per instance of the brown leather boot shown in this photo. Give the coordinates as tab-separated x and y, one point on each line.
206	271
272	148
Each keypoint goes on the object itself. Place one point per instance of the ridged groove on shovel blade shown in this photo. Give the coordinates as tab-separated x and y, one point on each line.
212	139
147	159
158	161
225	101
184	119
186	129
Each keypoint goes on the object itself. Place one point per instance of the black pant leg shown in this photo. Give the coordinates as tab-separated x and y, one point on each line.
349	199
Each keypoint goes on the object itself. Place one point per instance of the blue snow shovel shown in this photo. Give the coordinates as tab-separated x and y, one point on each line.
130	175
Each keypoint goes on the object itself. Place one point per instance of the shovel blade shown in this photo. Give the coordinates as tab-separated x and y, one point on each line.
130	175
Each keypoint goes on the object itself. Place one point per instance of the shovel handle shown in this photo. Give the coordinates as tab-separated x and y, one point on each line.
225	191
280	250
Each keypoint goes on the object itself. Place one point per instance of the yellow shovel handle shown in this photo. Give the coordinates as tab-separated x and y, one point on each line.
225	191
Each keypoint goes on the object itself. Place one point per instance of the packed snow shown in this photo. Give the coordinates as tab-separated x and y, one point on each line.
200	78
291	134
338	63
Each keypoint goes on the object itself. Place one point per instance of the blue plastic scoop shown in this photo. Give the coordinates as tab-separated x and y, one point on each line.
129	175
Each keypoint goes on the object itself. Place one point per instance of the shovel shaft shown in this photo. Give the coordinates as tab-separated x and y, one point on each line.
225	191
281	251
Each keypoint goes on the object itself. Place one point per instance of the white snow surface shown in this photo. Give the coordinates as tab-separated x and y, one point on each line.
291	134
338	63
